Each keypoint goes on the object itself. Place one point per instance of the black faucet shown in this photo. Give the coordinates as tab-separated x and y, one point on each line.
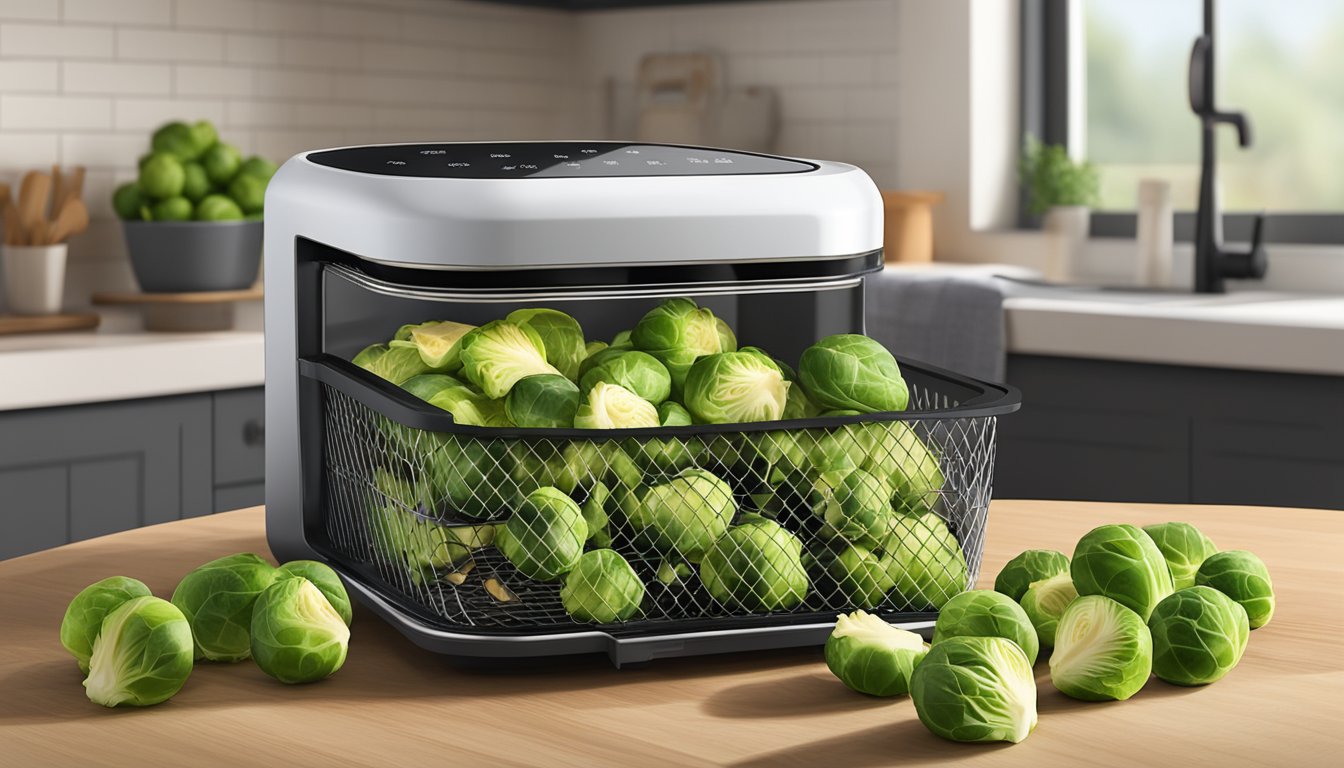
1213	263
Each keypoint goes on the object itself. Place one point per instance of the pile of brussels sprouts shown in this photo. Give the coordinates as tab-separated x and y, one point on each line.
1131	603
138	650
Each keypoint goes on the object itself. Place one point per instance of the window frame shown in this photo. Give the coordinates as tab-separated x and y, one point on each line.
1045	72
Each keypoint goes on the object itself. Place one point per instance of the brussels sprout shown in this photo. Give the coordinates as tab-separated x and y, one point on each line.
397	534
590	349
611	406
855	505
470	476
636	371
986	613
427	385
860	576
599	357
437	343
734	388
1184	547
561	337
1199	635
602	588
595	515
395	365
975	689
297	636
1103	651
585	462
496	355
1028	567
685	515
325	579
622	340
798	405
543	400
890	450
217	599
178	140
1045	602
755	566
1243	577
672	414
853	372
727	339
470	407
835	413
670	573
1122	563
142	655
544	537
871	656
84	616
925	561
677	332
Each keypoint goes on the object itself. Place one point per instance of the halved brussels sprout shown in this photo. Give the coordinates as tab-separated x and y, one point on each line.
1045	602
602	588
1199	635
1243	577
1027	568
297	636
471	408
1184	547
1122	563
924	560
499	353
142	655
561	337
986	613
427	385
1103	651
610	406
84	616
685	515
734	388
677	332
325	579
853	372
544	537
855	505
436	342
756	566
543	400
871	656
975	689
395	365
217	600
636	371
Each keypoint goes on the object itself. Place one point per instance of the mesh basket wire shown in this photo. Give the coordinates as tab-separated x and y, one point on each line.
420	512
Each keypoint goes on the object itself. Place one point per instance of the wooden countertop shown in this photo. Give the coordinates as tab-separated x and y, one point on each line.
396	705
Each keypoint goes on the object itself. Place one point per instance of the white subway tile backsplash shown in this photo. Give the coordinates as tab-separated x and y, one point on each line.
24	150
51	41
30	76
346	21
84	77
150	12
56	113
216	14
318	53
255	50
258	114
169	45
147	114
279	83
212	80
103	150
32	10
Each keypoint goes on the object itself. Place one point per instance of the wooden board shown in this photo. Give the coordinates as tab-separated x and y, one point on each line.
395	704
200	297
47	323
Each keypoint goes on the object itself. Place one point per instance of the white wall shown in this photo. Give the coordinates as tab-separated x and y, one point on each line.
85	81
834	64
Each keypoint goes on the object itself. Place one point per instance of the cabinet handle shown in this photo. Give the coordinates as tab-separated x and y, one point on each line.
254	432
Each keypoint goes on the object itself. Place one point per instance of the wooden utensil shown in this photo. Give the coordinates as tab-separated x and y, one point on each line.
72	219
33	194
74	184
57	192
13	227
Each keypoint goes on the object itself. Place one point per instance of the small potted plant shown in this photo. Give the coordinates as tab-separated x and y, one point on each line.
1063	192
193	217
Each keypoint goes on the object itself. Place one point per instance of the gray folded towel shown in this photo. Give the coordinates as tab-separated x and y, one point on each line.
952	322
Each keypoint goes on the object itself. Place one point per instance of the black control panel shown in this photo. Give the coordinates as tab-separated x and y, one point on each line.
551	160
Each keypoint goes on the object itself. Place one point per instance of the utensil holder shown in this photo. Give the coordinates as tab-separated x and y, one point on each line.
34	278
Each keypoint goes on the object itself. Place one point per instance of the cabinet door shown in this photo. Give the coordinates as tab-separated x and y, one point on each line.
76	472
240	448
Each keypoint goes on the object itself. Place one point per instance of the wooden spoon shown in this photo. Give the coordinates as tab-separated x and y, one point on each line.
33	194
58	192
73	219
13	229
74	187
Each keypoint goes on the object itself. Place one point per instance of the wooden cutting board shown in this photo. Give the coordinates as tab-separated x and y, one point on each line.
10	324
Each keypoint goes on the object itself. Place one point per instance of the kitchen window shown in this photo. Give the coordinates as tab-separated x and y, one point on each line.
1108	78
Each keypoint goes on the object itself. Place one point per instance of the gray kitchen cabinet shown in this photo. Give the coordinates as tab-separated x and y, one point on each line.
1119	431
74	472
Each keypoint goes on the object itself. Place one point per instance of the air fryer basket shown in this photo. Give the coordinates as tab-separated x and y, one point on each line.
409	498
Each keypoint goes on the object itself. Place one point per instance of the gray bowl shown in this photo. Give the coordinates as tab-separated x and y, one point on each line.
191	256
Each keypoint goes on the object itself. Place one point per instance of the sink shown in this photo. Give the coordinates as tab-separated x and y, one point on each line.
1015	288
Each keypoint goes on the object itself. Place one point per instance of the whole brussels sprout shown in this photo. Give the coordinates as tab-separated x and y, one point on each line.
1045	602
799	405
853	372
672	414
468	406
1103	651
1199	635
636	371
599	357
543	400
590	349
892	451
544	537
727	339
685	515
855	505
395	365
610	406
594	509
470	476
1027	568
622	340
986	613
924	560
1243	577
560	334
602	588
397	534
1122	563
755	566
217	600
427	385
871	656
860	576
975	689
437	343
1184	547
677	332
297	636
325	579
496	355
735	388
84	616
142	655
